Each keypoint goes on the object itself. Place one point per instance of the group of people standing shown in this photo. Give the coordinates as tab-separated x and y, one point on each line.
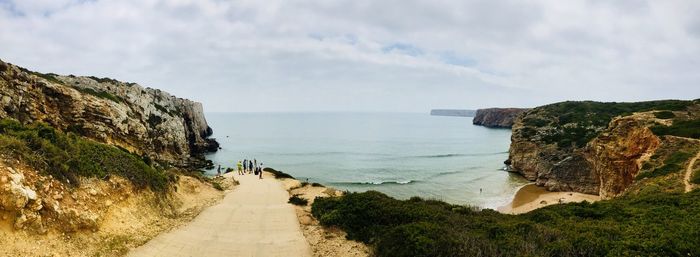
250	166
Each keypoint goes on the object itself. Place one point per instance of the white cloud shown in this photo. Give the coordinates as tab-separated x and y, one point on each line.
366	55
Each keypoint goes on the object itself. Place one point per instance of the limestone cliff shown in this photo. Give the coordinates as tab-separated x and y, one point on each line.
146	121
497	117
588	147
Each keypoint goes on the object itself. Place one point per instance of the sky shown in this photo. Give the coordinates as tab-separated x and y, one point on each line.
366	55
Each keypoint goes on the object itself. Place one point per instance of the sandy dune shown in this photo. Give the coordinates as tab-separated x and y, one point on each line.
253	220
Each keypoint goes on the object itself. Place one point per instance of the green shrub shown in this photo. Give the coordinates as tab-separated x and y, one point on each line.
664	115
296	200
652	224
217	186
680	128
277	173
673	163
100	94
66	156
316	184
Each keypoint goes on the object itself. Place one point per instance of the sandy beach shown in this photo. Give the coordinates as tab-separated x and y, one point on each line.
531	197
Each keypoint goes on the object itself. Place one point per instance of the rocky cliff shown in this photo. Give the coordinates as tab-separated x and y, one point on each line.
594	148
497	117
145	121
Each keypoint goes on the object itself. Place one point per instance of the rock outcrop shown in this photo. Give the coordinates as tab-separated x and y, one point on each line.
145	121
497	117
587	147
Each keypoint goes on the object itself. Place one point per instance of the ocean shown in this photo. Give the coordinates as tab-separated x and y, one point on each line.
400	154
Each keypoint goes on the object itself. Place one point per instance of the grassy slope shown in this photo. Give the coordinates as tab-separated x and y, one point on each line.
67	156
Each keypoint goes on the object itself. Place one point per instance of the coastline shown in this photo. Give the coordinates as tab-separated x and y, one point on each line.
531	197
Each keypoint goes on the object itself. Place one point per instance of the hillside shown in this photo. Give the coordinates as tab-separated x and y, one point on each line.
91	167
603	148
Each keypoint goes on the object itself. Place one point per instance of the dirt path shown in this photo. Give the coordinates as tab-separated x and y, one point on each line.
253	220
689	172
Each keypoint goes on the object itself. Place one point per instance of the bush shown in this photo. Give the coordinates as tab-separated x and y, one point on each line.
316	184
673	163
664	115
680	128
66	156
652	224
296	200
277	173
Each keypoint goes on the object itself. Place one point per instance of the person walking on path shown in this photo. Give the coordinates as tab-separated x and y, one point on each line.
239	165
261	170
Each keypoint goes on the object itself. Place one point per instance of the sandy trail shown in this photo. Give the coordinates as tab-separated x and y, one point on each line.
253	220
689	172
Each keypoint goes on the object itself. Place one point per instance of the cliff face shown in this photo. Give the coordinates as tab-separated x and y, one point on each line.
586	147
146	121
497	117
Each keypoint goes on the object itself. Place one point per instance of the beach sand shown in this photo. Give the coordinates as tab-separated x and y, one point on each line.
531	197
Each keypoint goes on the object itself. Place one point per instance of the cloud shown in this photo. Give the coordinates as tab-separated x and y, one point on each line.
366	55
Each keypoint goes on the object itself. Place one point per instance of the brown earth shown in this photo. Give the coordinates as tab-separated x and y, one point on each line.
101	217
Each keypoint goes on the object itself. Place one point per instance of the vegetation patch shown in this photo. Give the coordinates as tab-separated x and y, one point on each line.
679	128
664	115
316	184
652	224
66	156
674	163
296	200
100	94
277	173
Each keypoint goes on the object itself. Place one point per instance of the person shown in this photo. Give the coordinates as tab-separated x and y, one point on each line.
261	170
218	170
240	167
255	162
250	167
245	165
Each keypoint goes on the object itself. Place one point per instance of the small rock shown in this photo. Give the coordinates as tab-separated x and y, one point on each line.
3	179
108	203
92	192
58	197
543	202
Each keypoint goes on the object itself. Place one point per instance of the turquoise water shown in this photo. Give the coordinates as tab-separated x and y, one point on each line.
402	155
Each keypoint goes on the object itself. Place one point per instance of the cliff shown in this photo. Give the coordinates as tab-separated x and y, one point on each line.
599	148
497	117
451	112
145	121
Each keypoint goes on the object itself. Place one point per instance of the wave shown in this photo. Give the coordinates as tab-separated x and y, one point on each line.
376	183
451	155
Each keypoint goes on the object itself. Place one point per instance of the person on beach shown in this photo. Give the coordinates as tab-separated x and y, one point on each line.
245	165
240	167
261	170
250	167
255	162
218	171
